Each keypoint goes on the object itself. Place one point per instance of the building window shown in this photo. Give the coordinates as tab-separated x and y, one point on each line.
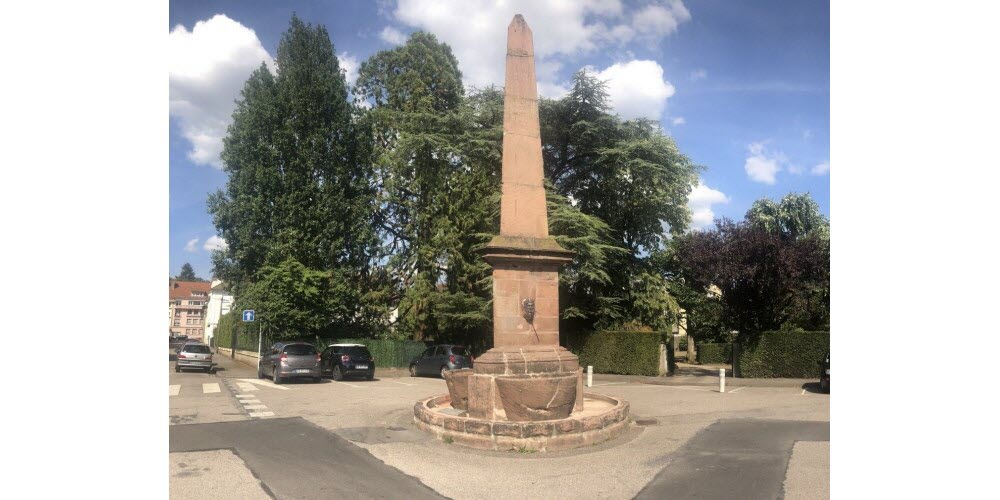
177	322
177	302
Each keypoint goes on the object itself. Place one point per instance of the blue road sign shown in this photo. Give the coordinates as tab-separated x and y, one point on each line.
248	315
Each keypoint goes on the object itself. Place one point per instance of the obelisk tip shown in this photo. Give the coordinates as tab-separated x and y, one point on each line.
519	22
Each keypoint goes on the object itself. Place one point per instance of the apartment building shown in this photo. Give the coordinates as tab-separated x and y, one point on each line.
219	304
188	307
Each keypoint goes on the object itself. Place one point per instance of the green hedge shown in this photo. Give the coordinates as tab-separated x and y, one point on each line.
781	354
621	352
715	353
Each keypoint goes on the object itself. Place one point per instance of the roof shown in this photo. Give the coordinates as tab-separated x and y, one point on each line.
183	289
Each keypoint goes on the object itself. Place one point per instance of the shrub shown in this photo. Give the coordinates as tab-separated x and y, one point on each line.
620	352
715	353
781	353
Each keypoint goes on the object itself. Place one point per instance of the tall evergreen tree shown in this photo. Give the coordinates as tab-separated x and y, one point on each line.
297	188
436	177
187	273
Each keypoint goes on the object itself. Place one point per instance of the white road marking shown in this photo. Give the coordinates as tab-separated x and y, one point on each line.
609	383
735	390
803	393
245	387
265	383
244	396
401	383
255	407
250	402
210	388
175	390
345	383
261	414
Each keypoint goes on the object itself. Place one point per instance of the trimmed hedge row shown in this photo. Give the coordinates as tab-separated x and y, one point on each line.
781	354
620	352
709	353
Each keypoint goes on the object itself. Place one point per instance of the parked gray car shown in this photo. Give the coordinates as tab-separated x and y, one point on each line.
194	355
290	360
438	359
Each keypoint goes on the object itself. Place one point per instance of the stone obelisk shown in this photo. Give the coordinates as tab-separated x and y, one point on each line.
524	257
526	357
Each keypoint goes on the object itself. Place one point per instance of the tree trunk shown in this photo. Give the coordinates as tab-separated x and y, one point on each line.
691	352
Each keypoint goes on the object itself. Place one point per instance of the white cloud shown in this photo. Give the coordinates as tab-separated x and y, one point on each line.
821	169
215	243
698	74
763	165
208	66
476	30
795	169
191	246
700	202
637	88
660	20
392	35
350	65
678	120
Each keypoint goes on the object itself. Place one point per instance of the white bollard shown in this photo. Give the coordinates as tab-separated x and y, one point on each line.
722	380
590	376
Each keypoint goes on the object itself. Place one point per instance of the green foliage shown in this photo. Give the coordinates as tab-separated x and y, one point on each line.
187	273
436	157
796	216
782	353
293	300
621	352
715	353
767	280
626	180
298	190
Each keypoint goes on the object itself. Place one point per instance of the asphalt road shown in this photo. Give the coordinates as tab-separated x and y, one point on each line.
296	459
734	459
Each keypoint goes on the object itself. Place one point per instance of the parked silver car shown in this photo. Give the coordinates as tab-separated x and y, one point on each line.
288	360
194	355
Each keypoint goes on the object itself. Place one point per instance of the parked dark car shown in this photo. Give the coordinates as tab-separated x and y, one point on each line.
347	360
177	342
290	360
438	359
824	374
194	355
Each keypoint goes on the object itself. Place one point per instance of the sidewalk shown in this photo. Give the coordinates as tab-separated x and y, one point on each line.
687	374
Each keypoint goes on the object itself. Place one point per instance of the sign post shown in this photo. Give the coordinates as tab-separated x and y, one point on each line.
249	315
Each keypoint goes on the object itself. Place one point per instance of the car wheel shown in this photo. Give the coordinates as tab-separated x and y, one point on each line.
337	374
443	369
277	378
413	370
370	377
317	380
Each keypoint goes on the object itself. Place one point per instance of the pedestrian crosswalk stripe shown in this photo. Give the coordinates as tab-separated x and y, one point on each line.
245	396
210	388
255	407
250	401
262	414
265	383
175	390
245	387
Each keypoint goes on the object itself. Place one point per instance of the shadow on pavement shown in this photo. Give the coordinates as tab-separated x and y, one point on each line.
812	387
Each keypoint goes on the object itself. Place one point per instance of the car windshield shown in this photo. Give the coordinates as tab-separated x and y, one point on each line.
458	351
197	349
356	351
300	350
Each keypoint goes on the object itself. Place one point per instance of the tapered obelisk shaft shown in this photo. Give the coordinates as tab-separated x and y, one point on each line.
522	206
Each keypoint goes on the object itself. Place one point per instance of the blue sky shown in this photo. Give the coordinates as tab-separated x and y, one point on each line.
743	87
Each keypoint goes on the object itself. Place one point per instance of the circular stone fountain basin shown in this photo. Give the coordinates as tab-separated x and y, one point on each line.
603	418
